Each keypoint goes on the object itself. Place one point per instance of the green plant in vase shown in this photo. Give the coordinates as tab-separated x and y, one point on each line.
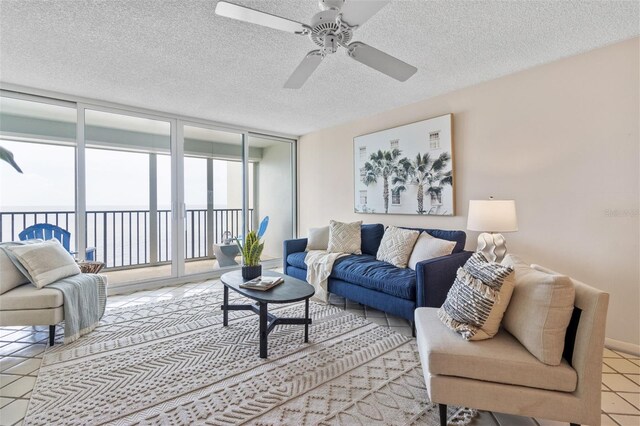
251	250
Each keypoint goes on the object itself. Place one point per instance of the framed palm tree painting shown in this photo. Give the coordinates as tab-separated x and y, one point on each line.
406	169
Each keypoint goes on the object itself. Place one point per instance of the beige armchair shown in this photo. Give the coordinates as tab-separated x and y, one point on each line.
500	375
22	304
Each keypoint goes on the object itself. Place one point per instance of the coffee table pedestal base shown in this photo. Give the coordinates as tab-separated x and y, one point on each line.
267	321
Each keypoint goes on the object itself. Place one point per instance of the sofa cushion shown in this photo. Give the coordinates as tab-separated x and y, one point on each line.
540	310
500	360
366	271
429	247
396	246
318	238
371	235
460	237
344	237
28	296
297	260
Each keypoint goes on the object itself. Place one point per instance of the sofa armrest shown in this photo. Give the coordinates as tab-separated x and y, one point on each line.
434	278
292	246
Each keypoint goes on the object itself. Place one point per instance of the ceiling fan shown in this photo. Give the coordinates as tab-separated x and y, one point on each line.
331	28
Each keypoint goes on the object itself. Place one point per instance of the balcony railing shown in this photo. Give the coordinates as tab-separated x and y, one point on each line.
126	238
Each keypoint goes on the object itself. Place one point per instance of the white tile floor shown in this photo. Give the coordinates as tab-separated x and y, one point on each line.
21	350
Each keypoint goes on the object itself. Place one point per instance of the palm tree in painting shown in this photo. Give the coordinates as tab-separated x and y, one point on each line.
428	174
382	164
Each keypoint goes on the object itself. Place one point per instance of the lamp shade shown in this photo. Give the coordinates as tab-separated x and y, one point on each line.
492	216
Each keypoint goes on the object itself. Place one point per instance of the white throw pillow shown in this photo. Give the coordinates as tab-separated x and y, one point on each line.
45	262
396	246
540	310
318	238
10	275
428	247
478	298
344	237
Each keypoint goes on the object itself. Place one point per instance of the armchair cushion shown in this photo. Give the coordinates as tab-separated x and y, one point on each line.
540	310
44	262
28	297
500	360
10	275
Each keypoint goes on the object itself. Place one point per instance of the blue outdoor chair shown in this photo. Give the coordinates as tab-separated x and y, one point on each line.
263	226
46	231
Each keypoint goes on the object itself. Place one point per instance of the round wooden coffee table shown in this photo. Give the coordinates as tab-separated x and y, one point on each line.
291	290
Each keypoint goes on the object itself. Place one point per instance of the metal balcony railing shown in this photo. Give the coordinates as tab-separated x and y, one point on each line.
130	238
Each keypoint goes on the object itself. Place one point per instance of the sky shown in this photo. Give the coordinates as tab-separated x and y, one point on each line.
115	179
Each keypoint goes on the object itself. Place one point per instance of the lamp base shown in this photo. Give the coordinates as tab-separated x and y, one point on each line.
492	246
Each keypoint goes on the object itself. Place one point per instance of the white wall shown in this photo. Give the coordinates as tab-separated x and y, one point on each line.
562	139
274	196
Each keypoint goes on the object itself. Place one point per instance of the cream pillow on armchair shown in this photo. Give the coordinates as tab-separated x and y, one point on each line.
45	262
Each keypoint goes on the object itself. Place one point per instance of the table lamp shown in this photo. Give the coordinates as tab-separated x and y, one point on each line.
492	217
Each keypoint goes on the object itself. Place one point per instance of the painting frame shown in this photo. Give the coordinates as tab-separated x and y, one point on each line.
414	158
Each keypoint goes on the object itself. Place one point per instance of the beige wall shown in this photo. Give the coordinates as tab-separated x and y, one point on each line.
561	139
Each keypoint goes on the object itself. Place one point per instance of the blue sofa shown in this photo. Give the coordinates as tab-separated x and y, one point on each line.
380	285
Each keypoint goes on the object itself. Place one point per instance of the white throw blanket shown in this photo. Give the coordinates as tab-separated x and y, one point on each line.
319	265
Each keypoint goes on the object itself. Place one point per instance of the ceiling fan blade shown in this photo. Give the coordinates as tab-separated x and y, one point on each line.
304	70
357	12
383	62
242	13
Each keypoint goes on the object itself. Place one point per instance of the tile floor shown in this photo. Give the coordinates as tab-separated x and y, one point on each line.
22	348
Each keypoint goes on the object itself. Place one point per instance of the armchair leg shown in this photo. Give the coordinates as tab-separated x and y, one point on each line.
574	424
413	328
443	414
52	334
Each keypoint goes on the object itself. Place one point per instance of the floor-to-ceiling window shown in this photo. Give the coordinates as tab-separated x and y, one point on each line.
156	196
213	197
41	136
125	222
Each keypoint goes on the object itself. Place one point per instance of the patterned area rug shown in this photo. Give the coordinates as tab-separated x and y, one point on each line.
173	363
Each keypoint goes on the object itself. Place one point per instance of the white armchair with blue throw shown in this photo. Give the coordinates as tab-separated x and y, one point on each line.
41	284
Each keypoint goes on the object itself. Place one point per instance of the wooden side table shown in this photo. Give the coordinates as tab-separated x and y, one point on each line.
90	267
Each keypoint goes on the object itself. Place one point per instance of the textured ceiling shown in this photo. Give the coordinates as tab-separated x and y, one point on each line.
178	57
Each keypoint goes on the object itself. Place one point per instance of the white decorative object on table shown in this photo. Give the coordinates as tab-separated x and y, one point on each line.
492	217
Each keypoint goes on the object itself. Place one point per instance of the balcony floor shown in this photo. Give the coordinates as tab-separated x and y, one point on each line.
144	273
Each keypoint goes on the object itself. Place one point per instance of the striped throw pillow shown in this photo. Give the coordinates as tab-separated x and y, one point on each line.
478	298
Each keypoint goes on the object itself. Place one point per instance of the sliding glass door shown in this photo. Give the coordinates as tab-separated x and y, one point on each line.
153	196
128	194
213	198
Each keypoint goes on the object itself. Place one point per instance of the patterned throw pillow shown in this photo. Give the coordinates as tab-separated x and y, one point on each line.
478	298
396	246
344	237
